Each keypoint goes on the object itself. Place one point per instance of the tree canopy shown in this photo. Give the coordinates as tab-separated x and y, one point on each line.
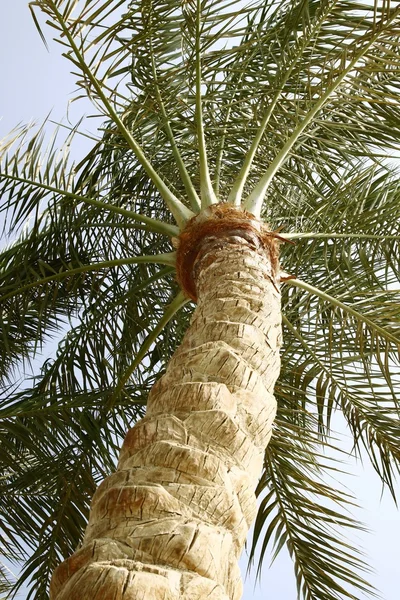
288	109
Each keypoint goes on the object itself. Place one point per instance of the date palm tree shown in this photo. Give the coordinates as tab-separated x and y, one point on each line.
231	132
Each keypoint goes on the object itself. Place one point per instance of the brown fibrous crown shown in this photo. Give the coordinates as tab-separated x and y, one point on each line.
217	222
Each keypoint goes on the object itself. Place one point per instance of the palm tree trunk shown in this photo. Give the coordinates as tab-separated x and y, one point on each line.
172	521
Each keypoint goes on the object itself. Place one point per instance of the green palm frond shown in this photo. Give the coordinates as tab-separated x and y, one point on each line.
51	429
279	55
7	579
66	253
343	345
48	488
36	177
364	390
300	510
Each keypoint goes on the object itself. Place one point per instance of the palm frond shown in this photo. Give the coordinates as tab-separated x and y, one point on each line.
75	37
301	510
48	481
7	579
34	177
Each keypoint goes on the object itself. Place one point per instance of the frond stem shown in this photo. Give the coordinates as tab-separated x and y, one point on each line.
189	187
206	189
350	236
153	224
254	201
235	196
180	212
338	304
163	259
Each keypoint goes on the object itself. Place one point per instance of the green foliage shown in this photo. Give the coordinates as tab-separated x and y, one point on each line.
301	510
299	102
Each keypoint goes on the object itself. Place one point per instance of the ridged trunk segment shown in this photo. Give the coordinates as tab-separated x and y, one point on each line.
171	523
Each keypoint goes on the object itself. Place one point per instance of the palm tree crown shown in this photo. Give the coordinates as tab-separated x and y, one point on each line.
288	110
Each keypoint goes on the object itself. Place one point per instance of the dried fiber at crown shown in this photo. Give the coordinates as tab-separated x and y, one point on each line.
214	227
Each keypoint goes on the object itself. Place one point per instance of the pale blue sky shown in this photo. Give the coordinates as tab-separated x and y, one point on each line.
35	82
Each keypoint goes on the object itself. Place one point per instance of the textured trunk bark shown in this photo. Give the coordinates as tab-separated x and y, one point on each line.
172	521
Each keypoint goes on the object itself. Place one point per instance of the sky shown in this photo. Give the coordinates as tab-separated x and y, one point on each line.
35	82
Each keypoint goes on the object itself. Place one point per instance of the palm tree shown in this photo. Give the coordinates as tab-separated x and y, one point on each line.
230	132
